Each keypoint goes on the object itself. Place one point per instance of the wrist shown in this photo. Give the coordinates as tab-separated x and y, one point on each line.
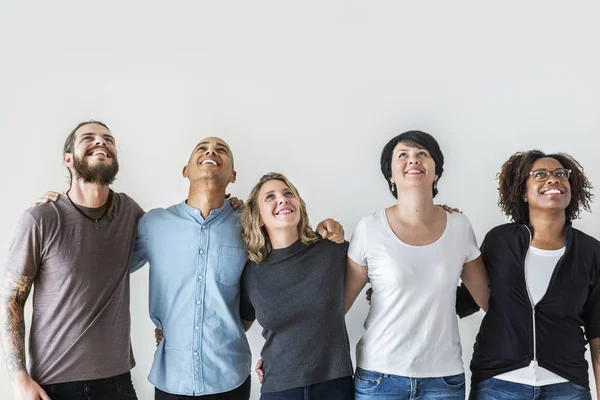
19	377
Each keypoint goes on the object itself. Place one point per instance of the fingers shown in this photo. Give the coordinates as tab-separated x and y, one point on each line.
331	230
259	370
158	335
42	393
239	205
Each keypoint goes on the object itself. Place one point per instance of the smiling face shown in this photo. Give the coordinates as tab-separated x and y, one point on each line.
412	167
211	160
278	206
93	156
552	194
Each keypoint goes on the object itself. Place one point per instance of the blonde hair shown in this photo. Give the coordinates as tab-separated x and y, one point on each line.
255	236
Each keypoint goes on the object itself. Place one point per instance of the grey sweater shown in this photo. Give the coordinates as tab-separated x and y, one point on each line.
297	295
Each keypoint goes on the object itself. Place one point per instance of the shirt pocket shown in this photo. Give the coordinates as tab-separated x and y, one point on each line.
230	265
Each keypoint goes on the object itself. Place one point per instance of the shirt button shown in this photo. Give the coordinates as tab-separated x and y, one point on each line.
196	353
195	211
201	251
198	302
199	276
203	226
197	327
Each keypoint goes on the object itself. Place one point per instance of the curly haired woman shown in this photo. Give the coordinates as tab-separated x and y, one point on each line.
545	286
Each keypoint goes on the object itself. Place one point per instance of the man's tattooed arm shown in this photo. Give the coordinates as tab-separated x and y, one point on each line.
13	295
595	353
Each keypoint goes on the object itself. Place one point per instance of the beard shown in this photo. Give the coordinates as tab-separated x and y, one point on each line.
100	174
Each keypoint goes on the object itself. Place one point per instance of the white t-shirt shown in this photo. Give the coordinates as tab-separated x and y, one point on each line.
539	266
411	329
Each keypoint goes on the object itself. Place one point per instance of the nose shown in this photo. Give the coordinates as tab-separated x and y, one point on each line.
413	160
282	200
210	150
99	141
551	180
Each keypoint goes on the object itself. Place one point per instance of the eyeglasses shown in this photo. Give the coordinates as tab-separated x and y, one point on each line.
541	175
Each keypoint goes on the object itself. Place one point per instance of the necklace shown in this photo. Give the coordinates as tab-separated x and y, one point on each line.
96	225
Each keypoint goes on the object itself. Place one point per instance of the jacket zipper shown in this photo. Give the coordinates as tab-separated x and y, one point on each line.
552	279
529	294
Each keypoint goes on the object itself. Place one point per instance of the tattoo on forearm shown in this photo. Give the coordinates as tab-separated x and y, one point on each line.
13	295
597	355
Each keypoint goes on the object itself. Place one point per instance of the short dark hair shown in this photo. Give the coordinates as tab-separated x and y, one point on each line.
68	147
418	139
512	185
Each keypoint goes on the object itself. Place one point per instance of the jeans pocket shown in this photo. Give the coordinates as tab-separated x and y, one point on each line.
454	381
365	380
483	384
127	390
578	388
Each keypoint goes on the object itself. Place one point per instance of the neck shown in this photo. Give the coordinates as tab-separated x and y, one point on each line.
548	227
89	195
206	196
282	238
415	207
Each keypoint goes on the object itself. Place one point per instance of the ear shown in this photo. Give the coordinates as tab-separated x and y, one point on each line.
260	222
233	177
436	178
68	160
525	199
185	172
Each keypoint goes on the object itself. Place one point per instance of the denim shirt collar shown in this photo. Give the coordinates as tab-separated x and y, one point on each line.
197	215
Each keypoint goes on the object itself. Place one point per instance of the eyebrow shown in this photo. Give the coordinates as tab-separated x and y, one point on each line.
219	144
88	134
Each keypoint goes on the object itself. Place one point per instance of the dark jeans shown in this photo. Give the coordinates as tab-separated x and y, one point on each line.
117	387
335	389
497	389
240	393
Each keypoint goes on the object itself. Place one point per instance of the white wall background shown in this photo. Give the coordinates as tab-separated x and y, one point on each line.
311	89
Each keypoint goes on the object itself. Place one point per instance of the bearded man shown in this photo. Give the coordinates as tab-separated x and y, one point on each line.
76	253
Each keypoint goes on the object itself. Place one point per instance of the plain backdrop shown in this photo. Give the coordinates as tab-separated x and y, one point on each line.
313	89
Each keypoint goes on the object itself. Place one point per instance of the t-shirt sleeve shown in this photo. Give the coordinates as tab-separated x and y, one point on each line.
139	254
472	249
592	309
247	311
25	253
357	251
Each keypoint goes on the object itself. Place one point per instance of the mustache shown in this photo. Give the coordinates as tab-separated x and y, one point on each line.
103	148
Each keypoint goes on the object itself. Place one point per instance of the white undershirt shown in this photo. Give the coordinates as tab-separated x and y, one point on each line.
539	266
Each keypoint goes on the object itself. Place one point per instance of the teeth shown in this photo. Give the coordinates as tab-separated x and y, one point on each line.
552	191
209	162
413	171
284	212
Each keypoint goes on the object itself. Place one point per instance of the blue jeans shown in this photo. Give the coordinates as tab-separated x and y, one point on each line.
335	389
375	385
497	389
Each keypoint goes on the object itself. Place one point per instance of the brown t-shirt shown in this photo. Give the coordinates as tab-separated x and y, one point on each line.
80	329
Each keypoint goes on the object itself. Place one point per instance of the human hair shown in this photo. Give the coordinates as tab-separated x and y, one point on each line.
69	145
512	185
417	139
256	237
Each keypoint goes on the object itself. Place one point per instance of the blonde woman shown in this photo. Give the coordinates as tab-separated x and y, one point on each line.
294	284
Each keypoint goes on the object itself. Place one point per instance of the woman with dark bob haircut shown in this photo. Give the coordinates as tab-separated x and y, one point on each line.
545	286
413	253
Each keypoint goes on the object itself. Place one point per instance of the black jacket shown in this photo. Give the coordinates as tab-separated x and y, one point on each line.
513	332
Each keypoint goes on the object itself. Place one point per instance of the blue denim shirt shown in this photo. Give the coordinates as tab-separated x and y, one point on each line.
195	270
